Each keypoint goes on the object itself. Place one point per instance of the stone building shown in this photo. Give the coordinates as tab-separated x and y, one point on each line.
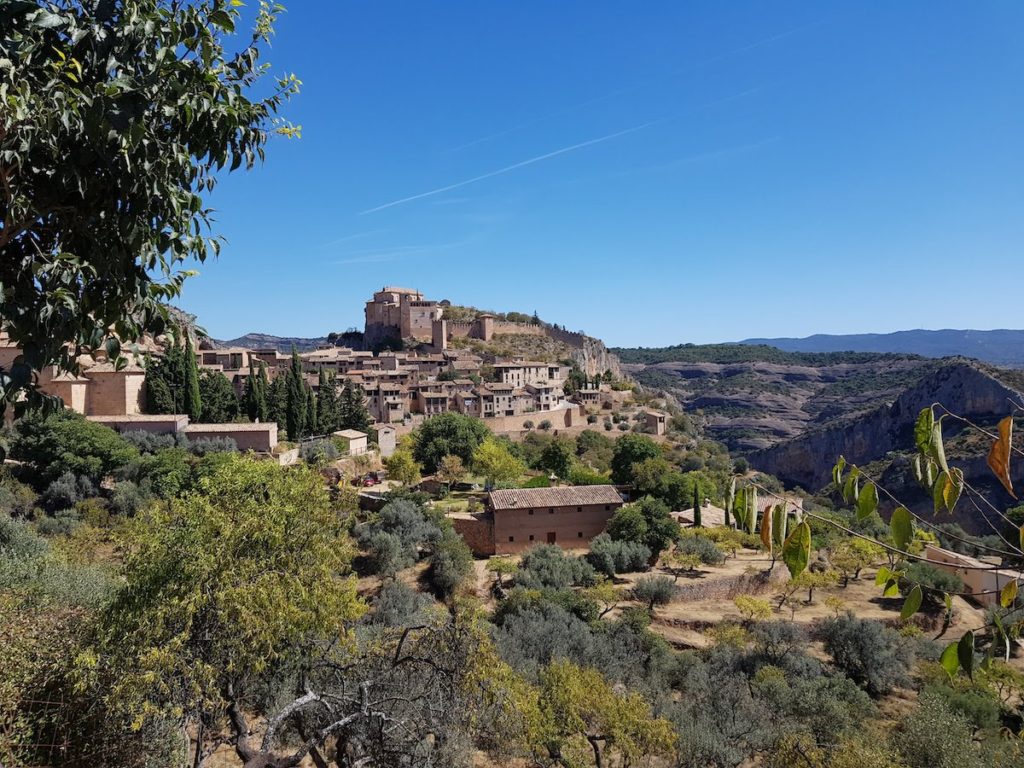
399	313
567	516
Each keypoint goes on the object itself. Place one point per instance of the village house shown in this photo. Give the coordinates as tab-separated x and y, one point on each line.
517	519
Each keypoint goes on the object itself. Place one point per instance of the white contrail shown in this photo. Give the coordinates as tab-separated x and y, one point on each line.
514	166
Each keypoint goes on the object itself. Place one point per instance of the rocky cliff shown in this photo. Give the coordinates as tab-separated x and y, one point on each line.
967	388
753	404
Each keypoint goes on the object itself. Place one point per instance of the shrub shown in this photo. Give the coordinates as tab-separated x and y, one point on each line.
648	522
16	498
66	491
399	605
583	475
149	442
702	547
934	736
544	425
67	442
388	553
592	418
928	575
61	523
607	426
450	563
127	499
532	637
540	481
609	556
623	426
547	566
655	590
869	653
752	608
207	445
318	452
528	424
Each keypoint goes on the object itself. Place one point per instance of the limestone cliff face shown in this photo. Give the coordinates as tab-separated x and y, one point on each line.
961	386
594	358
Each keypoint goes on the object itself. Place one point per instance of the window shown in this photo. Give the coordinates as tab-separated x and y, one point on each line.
551	510
579	535
511	538
579	509
607	507
531	537
531	511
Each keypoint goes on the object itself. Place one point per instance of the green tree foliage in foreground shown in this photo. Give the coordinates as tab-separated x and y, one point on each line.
220	590
448	434
117	118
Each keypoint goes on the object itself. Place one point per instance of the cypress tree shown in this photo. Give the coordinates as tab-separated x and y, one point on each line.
295	412
696	505
327	404
192	401
312	425
263	394
251	394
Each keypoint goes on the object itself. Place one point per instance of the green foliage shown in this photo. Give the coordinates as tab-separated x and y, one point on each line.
67	442
547	566
217	395
701	547
493	459
872	655
648	522
402	467
192	402
629	450
655	590
448	433
747	353
115	125
935	736
610	556
936	579
352	409
295	398
218	590
451	562
557	457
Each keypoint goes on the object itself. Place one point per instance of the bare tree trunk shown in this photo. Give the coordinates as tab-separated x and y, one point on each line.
598	762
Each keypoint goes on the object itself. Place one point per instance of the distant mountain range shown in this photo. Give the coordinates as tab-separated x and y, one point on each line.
268	341
999	347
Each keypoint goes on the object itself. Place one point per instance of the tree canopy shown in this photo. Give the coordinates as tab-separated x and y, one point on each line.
117	119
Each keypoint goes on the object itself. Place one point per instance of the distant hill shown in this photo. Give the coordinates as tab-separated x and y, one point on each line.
999	347
267	341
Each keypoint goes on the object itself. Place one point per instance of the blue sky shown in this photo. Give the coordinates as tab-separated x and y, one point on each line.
650	173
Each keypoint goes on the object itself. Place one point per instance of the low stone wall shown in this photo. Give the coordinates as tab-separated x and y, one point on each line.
563	418
733	586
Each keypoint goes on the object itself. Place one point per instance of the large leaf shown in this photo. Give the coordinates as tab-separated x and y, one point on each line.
936	448
796	550
965	653
923	429
912	603
947	489
902	527
779	521
884	574
867	501
1008	594
950	660
999	455
766	529
837	473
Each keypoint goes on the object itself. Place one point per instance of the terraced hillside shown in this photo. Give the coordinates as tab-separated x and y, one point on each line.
752	397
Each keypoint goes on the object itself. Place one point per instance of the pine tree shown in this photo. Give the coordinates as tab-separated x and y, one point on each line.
696	505
295	413
192	401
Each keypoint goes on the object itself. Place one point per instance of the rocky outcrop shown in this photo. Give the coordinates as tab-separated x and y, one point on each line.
750	406
962	386
594	358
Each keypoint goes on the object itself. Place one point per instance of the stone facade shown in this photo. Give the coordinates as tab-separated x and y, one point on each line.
567	516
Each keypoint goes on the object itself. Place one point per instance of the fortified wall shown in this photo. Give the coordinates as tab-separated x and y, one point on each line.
404	313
